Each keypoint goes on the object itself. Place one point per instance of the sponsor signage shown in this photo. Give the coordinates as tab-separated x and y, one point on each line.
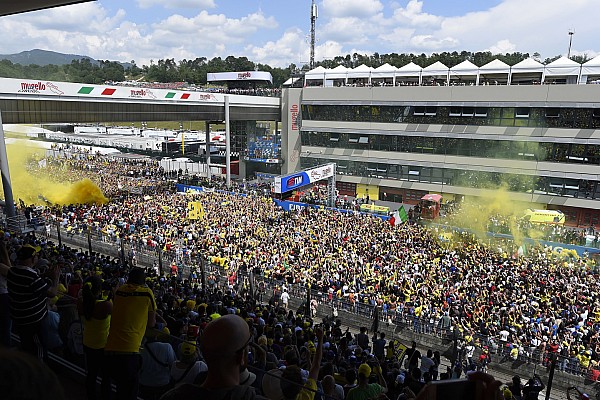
26	87
297	180
239	76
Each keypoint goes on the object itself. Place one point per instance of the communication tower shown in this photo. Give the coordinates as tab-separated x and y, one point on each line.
314	14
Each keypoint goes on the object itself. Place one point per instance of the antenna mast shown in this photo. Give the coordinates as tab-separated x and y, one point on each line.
313	19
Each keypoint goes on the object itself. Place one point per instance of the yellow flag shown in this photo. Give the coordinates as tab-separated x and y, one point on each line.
195	210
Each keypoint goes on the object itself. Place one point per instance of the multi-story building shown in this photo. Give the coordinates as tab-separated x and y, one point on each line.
541	143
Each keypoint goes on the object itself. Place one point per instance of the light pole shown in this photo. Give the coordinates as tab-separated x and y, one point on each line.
571	33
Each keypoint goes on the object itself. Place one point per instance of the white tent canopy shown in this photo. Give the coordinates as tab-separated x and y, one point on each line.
466	72
563	67
339	72
495	72
527	65
316	74
362	71
410	69
590	71
409	74
528	71
495	67
435	71
384	71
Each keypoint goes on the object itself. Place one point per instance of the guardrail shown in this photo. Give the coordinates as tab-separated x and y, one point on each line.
401	319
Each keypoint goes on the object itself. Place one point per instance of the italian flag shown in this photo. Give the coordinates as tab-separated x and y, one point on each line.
399	217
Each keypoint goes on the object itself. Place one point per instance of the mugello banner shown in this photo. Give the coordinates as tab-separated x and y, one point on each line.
300	179
63	90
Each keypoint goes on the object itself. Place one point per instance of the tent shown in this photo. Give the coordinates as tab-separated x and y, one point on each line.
563	70
464	73
435	75
526	72
316	76
495	71
360	75
410	74
590	71
383	75
338	75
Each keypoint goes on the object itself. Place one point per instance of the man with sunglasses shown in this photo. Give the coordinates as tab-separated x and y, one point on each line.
28	294
224	345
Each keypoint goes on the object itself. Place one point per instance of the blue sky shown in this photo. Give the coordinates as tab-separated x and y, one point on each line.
275	32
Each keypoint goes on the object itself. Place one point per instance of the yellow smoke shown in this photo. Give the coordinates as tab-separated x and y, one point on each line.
477	213
57	189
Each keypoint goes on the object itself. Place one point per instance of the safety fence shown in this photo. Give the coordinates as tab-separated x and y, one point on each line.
316	301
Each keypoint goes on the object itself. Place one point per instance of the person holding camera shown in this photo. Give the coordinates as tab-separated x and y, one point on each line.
532	388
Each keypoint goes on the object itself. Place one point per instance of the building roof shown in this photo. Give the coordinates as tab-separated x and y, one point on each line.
9	7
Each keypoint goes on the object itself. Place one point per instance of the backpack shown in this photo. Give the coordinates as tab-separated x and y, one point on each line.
75	338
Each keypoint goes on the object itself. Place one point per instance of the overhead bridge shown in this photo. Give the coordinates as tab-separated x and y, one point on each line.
24	101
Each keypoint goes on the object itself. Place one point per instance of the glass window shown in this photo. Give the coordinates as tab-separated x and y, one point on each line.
522	112
468	111
393	171
508	112
419	110
353	139
577	154
363	140
552	112
555	186
455	111
481	111
430	111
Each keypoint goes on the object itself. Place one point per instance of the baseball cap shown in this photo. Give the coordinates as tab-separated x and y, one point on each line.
27	251
188	348
364	369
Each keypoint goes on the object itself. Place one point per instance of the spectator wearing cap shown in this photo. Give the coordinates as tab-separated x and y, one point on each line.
364	389
224	346
188	369
28	292
134	310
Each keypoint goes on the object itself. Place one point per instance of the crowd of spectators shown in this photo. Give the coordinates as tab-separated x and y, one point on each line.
516	306
258	91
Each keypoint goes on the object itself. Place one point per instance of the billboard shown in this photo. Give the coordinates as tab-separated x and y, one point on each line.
287	183
239	76
82	91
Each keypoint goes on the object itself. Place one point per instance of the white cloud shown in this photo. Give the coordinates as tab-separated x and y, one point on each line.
171	4
348	30
343	27
352	8
413	15
527	24
289	48
502	46
432	43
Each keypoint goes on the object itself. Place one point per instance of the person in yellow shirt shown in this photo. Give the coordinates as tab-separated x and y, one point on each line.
95	313
134	311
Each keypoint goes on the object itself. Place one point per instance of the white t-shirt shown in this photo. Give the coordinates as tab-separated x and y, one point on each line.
177	373
285	297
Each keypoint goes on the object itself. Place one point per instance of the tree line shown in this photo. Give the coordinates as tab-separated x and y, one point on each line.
195	71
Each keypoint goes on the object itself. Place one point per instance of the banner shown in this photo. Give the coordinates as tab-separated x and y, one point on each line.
195	210
297	180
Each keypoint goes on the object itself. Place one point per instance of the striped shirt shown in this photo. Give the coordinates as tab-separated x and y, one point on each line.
28	294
